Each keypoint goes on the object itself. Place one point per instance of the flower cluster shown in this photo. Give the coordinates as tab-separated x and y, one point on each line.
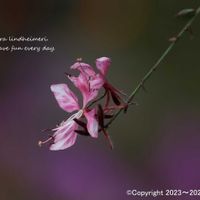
89	117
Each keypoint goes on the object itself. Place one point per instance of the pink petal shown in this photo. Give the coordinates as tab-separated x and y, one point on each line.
92	124
103	64
88	88
82	84
89	97
65	97
84	68
63	131
64	137
88	82
96	82
65	143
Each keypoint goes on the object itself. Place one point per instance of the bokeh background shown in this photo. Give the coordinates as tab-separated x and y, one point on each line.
157	143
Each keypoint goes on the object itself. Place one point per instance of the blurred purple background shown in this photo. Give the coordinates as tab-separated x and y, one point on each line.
157	144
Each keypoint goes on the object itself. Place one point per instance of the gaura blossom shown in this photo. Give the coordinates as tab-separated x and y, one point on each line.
89	82
65	135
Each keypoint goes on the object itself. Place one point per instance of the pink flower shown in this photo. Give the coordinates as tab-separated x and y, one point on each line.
91	120
65	134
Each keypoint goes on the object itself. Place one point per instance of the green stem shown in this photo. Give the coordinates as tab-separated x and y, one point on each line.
156	65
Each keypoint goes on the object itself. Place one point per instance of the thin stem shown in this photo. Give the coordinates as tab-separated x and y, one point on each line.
156	65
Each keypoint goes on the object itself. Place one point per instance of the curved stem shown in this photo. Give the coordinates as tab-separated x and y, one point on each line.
156	65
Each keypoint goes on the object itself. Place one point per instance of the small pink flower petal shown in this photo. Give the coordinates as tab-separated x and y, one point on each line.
63	131
103	64
92	124
65	143
64	137
65	97
89	97
88	82
97	82
82	84
84	68
88	88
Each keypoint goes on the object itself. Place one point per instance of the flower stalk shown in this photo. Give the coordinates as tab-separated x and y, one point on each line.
140	85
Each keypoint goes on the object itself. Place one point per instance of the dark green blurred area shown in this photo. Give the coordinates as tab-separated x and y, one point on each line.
133	34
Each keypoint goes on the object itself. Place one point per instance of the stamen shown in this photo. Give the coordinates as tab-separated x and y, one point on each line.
69	121
47	129
40	143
